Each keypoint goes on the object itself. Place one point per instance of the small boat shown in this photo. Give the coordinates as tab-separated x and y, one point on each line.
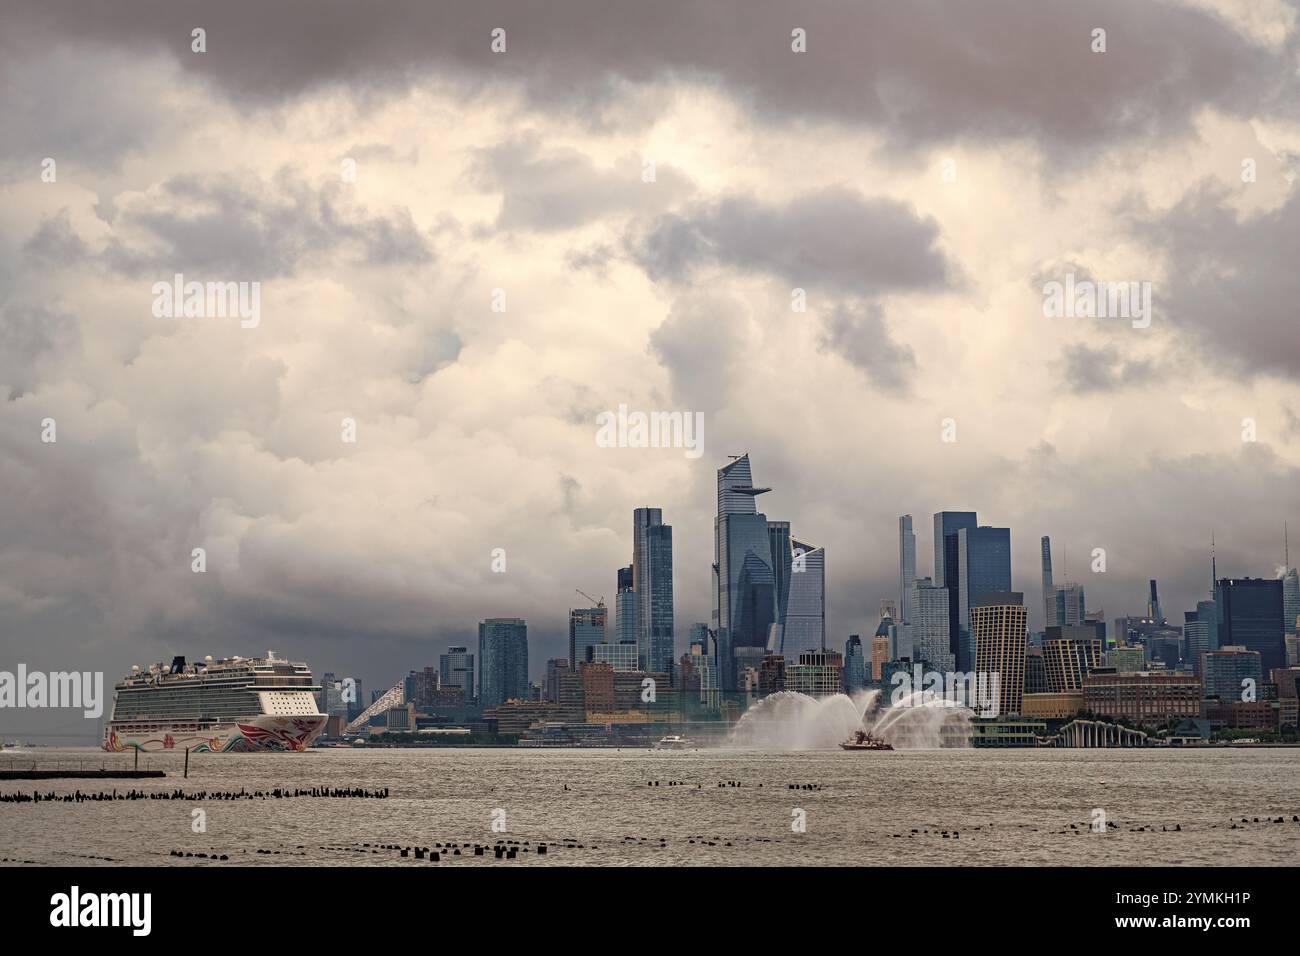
674	742
861	740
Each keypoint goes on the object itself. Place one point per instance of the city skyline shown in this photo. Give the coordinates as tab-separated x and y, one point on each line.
712	226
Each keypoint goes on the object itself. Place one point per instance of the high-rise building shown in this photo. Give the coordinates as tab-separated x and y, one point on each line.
1290	600
652	579
855	670
503	660
805	607
1153	605
1227	669
1249	614
456	669
1070	651
587	626
1068	604
947	524
744	585
906	567
983	567
817	674
930	623
778	537
556	668
621	657
1197	635
999	626
625	616
1049	590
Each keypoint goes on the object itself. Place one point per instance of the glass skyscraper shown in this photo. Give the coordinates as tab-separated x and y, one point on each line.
946	526
456	669
906	567
805	616
930	640
587	628
625	619
1249	614
744	586
778	536
652	580
983	567
503	660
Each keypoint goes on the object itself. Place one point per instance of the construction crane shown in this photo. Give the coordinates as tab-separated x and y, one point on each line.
600	603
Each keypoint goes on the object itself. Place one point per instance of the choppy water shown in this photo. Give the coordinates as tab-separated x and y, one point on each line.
1009	807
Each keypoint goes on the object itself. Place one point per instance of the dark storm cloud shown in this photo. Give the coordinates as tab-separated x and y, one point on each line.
241	226
1087	369
928	70
832	239
1232	284
858	334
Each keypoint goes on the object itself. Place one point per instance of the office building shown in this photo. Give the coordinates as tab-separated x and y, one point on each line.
621	657
782	556
999	627
947	524
652	580
1049	590
586	628
744	585
817	674
1249	614
1070	651
1068	604
456	669
855	665
1227	670
983	567
805	607
502	660
626	621
906	567
930	622
1148	698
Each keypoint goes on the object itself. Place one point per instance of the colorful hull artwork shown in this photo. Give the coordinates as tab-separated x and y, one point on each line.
242	736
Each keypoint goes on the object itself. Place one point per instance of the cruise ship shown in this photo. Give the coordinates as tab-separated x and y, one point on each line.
238	705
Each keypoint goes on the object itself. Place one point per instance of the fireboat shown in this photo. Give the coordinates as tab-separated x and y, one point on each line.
861	740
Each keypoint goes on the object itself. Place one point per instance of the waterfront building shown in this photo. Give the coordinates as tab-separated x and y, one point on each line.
983	567
817	674
652	580
999	627
1069	652
1249	614
1146	697
1227	670
503	659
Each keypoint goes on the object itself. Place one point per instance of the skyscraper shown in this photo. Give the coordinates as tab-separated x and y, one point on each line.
999	625
805	616
1249	612
1070	651
1049	592
983	567
652	580
503	660
930	641
1068	604
625	617
906	567
587	628
855	670
778	537
946	526
456	669
744	587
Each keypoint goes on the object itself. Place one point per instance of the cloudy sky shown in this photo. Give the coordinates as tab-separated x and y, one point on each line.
920	171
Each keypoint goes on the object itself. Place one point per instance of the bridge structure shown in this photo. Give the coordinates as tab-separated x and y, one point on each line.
1095	733
395	696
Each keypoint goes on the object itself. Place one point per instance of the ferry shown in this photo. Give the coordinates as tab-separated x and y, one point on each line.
233	705
674	742
861	740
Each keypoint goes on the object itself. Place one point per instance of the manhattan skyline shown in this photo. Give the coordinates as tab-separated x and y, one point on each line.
384	197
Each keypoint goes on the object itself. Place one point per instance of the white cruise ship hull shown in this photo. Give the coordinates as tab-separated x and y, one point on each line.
264	732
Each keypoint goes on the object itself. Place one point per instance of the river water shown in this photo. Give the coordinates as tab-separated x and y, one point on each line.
1031	806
